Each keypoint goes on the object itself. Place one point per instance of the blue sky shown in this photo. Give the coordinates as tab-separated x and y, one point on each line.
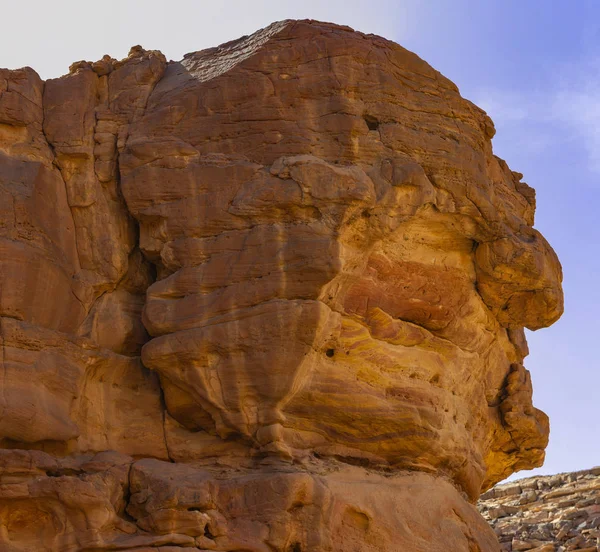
533	65
535	68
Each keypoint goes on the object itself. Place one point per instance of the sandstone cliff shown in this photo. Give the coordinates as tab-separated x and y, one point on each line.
547	513
269	297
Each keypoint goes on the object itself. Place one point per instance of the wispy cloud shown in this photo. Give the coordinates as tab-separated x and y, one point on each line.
523	120
576	105
568	110
503	106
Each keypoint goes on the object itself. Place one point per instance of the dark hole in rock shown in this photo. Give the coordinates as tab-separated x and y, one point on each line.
330	352
295	547
207	533
61	472
372	122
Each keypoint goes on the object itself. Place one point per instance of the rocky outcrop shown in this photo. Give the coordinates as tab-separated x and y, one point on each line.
546	513
269	297
109	501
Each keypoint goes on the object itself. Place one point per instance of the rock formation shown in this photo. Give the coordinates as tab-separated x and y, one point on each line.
554	513
271	297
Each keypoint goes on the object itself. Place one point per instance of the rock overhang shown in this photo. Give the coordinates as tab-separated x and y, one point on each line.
312	228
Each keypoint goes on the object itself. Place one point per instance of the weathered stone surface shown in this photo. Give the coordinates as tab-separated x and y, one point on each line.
546	513
269	263
108	501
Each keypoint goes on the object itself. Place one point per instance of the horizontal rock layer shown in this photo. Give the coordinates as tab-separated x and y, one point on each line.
109	501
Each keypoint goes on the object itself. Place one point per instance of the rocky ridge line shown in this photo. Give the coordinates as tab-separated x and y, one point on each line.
556	513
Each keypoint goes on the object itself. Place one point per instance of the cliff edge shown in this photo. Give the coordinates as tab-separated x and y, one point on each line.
271	297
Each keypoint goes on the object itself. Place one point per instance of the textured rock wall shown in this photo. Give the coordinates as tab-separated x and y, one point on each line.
554	513
269	297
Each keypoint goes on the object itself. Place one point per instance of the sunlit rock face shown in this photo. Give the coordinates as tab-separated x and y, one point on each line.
292	266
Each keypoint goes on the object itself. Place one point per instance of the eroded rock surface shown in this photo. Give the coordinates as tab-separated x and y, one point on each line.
269	297
554	513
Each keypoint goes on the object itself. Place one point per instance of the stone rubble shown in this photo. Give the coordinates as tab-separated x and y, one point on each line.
555	513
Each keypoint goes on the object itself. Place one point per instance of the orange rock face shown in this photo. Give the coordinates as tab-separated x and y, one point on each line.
268	298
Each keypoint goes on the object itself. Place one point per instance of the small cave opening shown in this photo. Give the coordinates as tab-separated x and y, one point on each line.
207	532
372	122
295	547
330	352
64	472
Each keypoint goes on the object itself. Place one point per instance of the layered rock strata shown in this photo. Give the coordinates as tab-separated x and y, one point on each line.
547	513
269	297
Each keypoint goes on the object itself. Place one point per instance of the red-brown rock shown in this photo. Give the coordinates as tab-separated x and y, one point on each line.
292	266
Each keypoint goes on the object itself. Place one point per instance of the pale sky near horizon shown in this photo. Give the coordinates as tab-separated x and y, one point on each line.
534	66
